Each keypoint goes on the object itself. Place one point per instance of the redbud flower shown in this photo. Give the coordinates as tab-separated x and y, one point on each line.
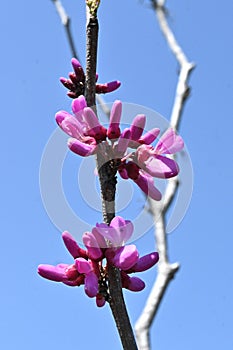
76	82
104	243
141	165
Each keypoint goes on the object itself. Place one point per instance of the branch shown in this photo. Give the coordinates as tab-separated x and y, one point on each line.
166	270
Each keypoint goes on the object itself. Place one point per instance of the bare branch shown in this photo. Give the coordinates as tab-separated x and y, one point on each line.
65	19
166	270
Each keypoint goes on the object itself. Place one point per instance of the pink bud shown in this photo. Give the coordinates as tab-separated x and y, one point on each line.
149	137
145	262
134	284
72	246
53	273
73	78
137	126
123	257
91	284
67	83
72	94
169	143
115	116
80	148
123	141
82	265
100	301
93	245
79	104
95	129
61	116
108	87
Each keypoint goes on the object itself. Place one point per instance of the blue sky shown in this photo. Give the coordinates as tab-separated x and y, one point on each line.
197	309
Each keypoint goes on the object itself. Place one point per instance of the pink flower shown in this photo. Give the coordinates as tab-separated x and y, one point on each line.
89	268
141	165
153	161
149	162
76	82
83	127
117	233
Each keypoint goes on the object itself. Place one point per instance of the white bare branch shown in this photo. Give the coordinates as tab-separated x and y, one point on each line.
166	270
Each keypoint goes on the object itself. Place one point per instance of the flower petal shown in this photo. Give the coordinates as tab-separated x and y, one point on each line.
80	148
150	136
148	187
123	230
118	232
161	167
125	257
169	143
123	142
78	104
95	129
78	70
93	241
71	272
115	116
52	273
145	262
82	265
134	284
72	246
137	126
69	124
107	87
91	284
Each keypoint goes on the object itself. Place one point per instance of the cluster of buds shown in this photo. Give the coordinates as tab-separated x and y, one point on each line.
137	158
76	82
105	245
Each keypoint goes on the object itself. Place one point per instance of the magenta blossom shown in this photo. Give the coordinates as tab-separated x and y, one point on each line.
153	161
76	82
141	163
83	127
105	246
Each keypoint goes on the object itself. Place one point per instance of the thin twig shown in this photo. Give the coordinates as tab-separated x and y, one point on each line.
166	270
65	19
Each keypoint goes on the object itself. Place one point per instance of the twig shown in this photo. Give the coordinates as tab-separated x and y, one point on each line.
66	21
166	270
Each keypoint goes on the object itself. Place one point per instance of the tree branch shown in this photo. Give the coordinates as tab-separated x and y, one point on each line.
166	270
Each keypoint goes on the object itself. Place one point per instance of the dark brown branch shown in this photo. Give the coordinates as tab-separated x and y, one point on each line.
119	311
91	59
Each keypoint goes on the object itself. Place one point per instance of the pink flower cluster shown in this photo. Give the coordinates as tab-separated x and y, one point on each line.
76	82
104	243
142	163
